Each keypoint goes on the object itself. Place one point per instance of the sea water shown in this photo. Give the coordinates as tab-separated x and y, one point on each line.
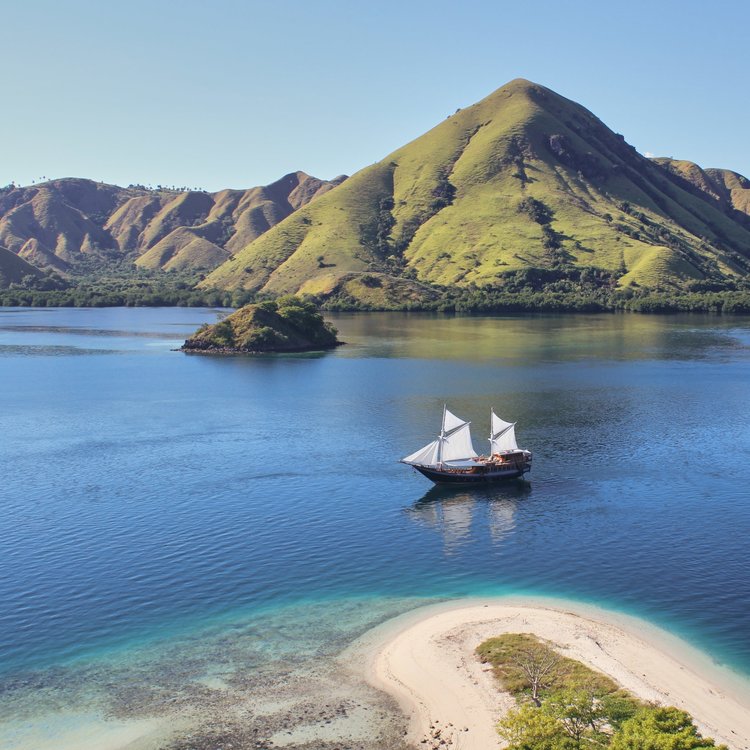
184	530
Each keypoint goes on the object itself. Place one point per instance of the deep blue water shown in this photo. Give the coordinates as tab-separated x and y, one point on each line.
146	492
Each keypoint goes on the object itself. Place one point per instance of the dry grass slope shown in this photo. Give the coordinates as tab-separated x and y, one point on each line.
61	223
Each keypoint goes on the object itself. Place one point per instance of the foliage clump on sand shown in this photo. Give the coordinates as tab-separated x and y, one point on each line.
288	324
565	705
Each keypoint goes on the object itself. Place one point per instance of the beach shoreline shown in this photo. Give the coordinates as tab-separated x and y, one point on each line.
425	660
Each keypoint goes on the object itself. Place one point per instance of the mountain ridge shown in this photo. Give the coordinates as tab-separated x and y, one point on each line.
59	224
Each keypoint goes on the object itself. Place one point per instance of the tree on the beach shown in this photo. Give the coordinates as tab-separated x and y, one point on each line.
618	707
538	664
577	719
582	714
528	728
529	668
565	705
661	728
568	719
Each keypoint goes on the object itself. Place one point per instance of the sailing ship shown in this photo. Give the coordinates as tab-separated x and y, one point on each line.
452	458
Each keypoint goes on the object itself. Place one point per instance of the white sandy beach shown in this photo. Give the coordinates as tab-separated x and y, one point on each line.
425	659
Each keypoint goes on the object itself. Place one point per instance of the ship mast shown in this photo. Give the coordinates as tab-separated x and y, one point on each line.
442	437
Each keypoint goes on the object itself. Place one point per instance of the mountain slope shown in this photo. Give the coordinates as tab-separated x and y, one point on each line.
524	178
49	222
59	224
201	233
13	268
729	189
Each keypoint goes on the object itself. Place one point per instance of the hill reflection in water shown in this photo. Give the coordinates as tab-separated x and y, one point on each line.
528	340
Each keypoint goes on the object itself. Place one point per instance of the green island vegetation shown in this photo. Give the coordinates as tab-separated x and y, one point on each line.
288	324
118	283
560	290
565	705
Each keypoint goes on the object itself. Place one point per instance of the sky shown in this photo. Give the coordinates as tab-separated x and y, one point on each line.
235	94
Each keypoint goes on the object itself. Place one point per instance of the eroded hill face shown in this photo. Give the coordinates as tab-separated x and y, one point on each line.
57	224
729	189
523	178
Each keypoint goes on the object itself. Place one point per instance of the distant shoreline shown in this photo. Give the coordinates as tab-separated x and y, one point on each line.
425	660
713	309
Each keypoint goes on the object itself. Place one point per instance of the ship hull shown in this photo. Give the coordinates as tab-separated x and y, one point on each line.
439	476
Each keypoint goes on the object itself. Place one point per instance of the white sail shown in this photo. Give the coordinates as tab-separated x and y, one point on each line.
506	441
457	444
451	421
427	456
503	435
454	444
456	438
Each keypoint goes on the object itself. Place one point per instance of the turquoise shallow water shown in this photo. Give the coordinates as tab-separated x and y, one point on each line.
150	495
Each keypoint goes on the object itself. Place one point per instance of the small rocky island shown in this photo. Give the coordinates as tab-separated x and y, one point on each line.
288	324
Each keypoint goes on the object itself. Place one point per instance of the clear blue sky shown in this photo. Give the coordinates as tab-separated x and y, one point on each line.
225	93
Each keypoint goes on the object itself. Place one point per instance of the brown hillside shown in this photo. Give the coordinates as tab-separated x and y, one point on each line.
13	268
58	223
729	189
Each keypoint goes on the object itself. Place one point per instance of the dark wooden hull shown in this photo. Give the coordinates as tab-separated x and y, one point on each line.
487	474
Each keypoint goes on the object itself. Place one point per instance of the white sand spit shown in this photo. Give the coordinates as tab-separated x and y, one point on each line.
426	660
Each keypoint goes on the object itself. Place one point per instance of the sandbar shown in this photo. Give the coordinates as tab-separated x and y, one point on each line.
425	660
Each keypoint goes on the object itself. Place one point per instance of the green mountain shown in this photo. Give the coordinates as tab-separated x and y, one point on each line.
523	179
63	224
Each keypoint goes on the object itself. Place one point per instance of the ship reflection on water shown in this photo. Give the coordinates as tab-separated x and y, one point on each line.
452	511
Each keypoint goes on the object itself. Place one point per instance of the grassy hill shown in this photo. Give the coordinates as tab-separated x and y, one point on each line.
523	179
69	223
